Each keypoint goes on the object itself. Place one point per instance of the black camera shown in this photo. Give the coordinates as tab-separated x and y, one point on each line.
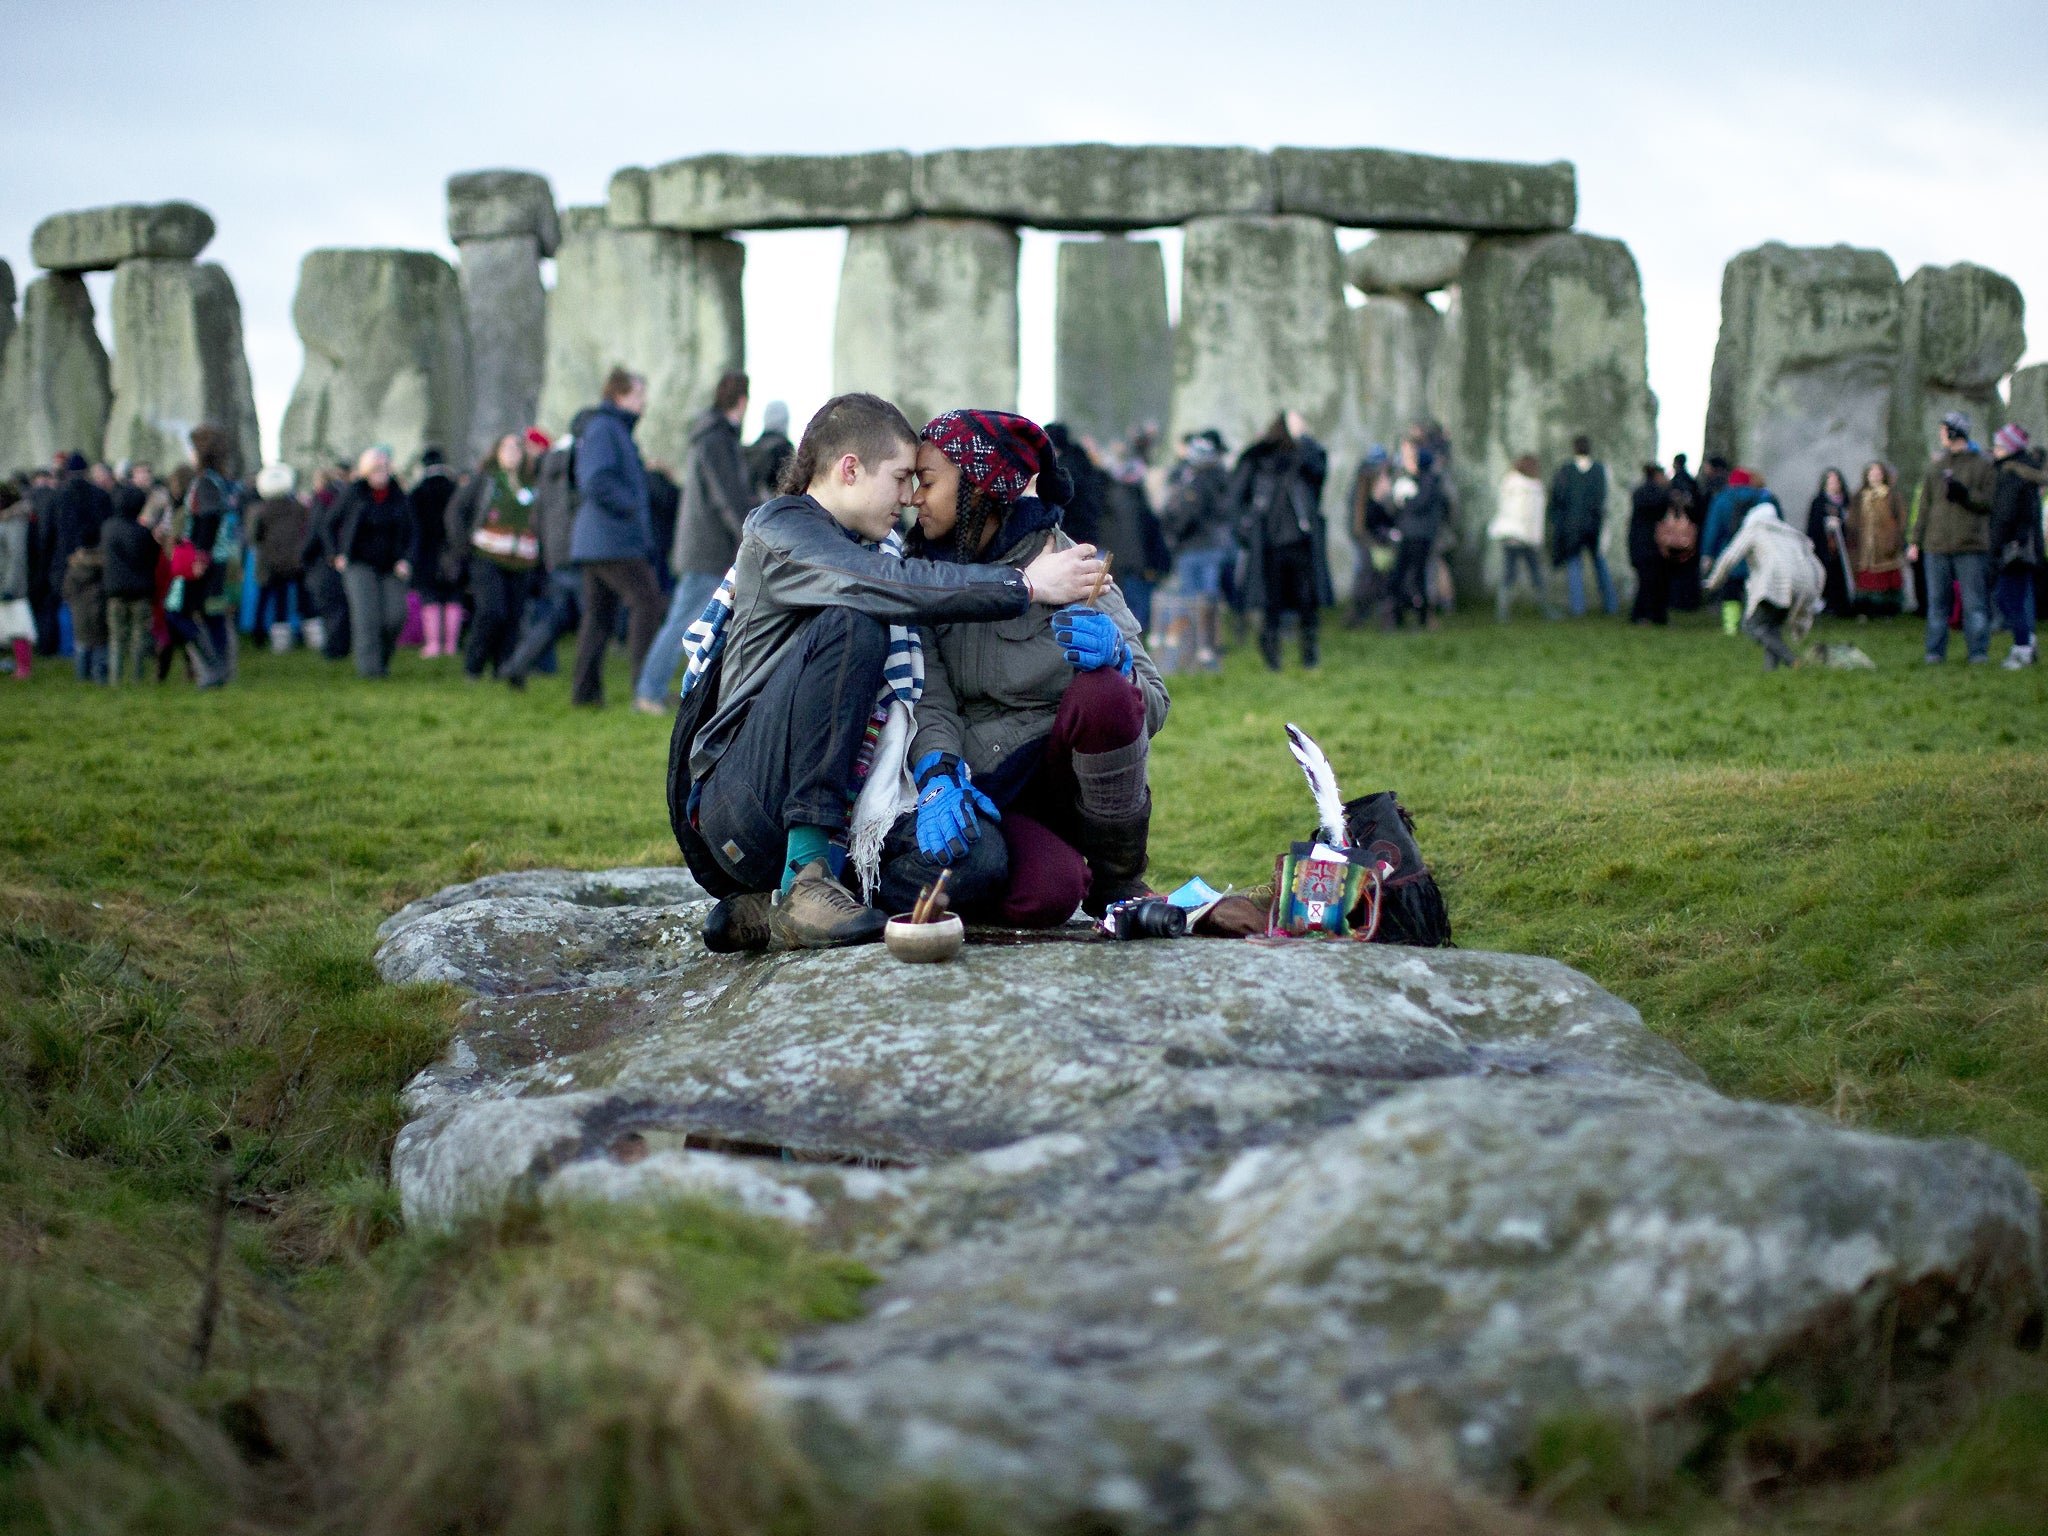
1145	917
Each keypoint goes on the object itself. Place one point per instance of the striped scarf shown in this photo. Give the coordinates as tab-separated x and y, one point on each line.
883	786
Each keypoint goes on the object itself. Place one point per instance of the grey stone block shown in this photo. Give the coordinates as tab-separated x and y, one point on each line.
1389	189
99	239
504	307
1961	330
626	200
1406	262
1550	343
661	303
6	308
928	315
178	361
485	205
1113	341
53	379
2027	403
1094	186
710	193
1400	341
387	358
1806	365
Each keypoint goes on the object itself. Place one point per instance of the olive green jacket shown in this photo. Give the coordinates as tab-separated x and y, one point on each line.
1952	528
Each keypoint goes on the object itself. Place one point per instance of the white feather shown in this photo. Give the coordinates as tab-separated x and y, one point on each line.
1322	783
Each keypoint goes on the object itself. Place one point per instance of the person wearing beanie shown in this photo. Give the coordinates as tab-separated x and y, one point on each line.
769	454
278	525
2015	543
1955	532
1041	723
788	759
1276	494
1741	491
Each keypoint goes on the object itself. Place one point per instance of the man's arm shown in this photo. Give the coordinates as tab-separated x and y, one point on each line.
805	565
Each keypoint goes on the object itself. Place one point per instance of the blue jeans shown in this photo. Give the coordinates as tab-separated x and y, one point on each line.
1200	571
1137	593
693	591
553	613
1515	555
1971	572
2016	602
1575	583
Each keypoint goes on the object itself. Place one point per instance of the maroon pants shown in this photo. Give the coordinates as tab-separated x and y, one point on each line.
1100	712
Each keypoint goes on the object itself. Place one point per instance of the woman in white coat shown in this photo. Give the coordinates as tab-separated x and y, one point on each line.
1518	529
1785	582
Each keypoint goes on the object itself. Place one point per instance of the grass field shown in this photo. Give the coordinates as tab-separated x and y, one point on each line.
1830	888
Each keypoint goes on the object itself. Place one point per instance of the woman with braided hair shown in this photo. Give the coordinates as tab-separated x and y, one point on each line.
1039	723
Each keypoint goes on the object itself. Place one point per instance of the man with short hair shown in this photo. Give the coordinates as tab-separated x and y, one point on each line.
1577	517
716	500
612	541
1955	531
787	667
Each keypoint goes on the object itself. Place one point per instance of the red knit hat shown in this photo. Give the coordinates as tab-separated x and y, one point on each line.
998	452
538	440
1741	477
2010	439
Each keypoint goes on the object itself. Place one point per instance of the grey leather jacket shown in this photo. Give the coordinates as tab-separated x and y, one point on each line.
795	560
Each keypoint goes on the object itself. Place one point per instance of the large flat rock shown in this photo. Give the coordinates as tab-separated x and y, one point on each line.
1094	186
714	193
100	239
492	205
1390	189
1407	263
1174	1233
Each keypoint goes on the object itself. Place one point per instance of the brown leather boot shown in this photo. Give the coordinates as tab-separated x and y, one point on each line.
817	912
739	925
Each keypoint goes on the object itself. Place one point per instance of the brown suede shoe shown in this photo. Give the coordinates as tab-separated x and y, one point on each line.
817	912
739	925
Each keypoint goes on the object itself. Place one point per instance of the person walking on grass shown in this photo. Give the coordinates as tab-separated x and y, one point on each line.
373	535
1578	515
612	540
1276	493
717	495
493	519
2016	535
1420	509
1955	532
132	555
1517	531
1783	588
278	526
437	580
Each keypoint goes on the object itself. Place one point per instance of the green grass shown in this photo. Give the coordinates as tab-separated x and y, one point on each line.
1828	888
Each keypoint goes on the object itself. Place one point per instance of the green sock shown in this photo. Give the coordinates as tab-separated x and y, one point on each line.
806	846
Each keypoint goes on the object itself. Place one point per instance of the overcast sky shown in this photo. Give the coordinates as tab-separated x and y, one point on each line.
1697	131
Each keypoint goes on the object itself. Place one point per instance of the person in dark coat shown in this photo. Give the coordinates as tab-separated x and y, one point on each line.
440	596
373	540
1688	494
2016	552
1131	533
132	556
327	629
277	530
769	454
77	511
1276	493
1825	516
1082	517
556	606
612	540
1651	501
664	511
1420	508
1202	535
717	496
1576	518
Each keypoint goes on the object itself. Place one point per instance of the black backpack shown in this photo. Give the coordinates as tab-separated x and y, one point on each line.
1412	909
697	706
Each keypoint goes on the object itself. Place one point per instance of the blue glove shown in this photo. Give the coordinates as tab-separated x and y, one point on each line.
947	807
1091	640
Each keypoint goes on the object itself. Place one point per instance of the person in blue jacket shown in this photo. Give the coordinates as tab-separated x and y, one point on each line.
612	540
1731	504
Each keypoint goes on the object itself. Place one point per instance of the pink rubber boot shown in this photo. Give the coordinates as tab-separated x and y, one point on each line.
451	629
430	625
23	652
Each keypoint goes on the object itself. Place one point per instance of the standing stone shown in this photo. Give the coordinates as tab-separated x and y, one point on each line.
1961	330
100	239
178	361
626	205
1113	359
504	222
1806	364
653	300
1406	262
387	360
6	308
928	315
53	381
2028	402
1400	340
1550	343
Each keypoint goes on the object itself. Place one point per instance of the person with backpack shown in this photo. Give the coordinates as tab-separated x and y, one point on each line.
1578	517
1276	496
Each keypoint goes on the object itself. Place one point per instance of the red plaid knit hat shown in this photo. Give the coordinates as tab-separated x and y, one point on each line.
2010	439
998	453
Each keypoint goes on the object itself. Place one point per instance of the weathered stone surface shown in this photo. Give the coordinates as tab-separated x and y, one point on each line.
1113	340
1174	1233
1400	341
928	315
1093	186
178	361
1961	330
504	307
661	303
1263	328
53	377
7	297
100	239
2027	403
1806	364
632	886
627	199
1387	189
490	205
1406	262
711	193
387	358
1550	343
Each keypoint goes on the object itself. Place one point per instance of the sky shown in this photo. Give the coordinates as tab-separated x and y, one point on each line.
1698	132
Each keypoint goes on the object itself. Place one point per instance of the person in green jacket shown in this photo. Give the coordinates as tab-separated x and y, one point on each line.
1953	527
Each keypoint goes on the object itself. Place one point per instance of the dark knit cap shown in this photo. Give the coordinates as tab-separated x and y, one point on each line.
998	452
